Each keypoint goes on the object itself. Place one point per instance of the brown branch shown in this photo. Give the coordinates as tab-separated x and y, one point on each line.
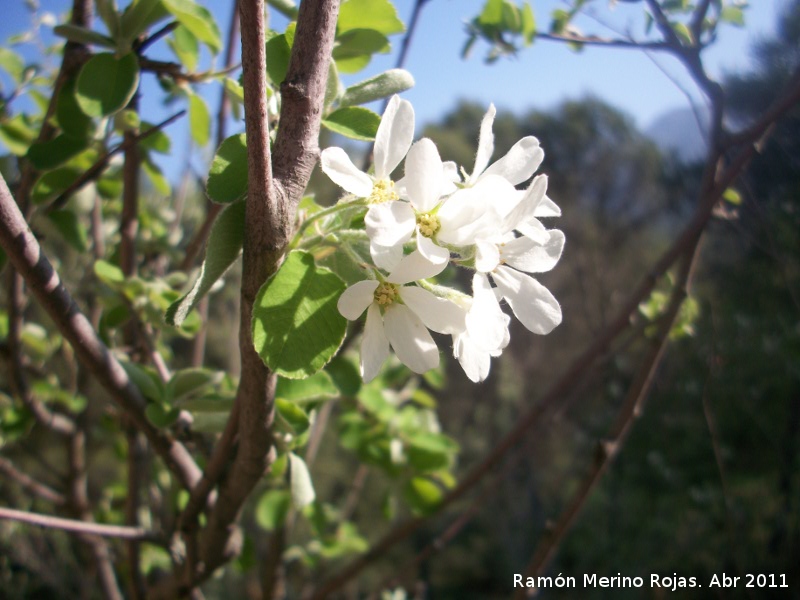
608	449
663	24
113	531
699	15
28	258
175	71
140	47
590	40
101	163
29	484
79	501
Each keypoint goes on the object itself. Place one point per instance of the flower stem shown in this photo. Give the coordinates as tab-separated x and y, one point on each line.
346	203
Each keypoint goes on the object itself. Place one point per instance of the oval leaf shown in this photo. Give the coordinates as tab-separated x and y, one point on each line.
296	326
224	246
227	179
383	85
353	122
106	84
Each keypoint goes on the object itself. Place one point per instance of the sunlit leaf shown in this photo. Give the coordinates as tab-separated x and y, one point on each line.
297	327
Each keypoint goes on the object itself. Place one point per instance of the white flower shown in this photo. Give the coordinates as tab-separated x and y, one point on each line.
436	219
538	250
399	316
516	166
392	141
485	331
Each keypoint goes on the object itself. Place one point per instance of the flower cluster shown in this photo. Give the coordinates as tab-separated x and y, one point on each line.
433	217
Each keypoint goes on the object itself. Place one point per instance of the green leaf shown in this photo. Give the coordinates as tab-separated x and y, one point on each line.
223	248
333	87
53	153
198	20
296	326
380	86
188	382
379	15
733	15
109	274
81	35
156	177
278	54
354	122
72	120
139	16
71	229
353	64
161	416
683	32
145	379
492	13
50	185
345	375
561	19
528	24
227	179
272	508
156	142
186	47
512	20
422	495
12	63
320	385
106	84
293	415
17	134
359	42
107	10
199	120
300	482
732	196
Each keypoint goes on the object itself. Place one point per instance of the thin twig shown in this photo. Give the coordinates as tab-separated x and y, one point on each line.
140	47
100	165
113	531
29	484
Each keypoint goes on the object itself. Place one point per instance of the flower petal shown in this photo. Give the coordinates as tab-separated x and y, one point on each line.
436	313
374	344
525	209
547	208
411	341
526	255
386	257
532	303
415	267
424	175
520	162
355	299
394	136
428	249
485	321
475	362
338	166
534	230
468	215
485	144
390	223
487	256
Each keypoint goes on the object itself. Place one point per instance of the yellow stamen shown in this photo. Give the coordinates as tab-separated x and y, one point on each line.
383	191
386	294
428	224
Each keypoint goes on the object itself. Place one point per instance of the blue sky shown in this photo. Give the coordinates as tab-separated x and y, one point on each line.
540	77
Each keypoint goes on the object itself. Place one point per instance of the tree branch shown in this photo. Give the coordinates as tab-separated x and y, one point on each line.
29	484
114	531
28	258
